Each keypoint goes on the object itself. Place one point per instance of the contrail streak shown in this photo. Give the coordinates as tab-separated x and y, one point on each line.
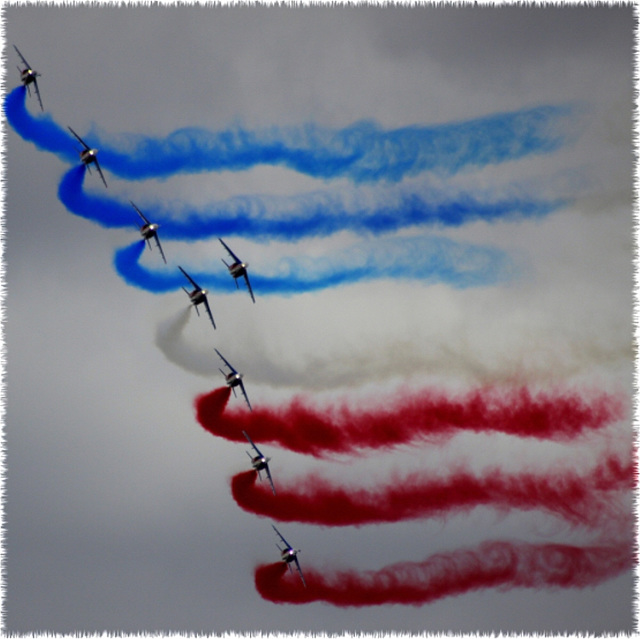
428	415
493	564
580	499
363	152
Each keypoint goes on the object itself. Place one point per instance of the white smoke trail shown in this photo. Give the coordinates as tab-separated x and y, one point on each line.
170	340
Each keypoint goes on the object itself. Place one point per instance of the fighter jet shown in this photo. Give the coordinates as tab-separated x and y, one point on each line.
198	296
288	555
148	230
259	462
233	378
88	155
238	269
28	76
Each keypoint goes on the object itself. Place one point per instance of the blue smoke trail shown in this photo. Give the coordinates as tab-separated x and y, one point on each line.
125	261
105	211
363	151
42	131
317	214
428	259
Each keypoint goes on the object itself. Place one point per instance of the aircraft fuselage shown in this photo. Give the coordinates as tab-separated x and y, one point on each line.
238	269
259	463
288	555
233	379
198	296
88	156
148	231
28	76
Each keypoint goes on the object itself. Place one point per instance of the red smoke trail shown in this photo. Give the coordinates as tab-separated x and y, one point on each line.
209	408
494	564
400	419
580	499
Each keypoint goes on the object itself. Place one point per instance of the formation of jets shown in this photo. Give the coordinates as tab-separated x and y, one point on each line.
237	269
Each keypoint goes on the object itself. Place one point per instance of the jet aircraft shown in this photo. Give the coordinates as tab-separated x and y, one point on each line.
28	76
148	230
288	555
259	462
233	379
198	296
88	155
238	269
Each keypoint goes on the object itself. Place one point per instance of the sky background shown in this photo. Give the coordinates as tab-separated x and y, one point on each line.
118	509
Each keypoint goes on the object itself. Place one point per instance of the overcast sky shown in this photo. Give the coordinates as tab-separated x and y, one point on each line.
119	514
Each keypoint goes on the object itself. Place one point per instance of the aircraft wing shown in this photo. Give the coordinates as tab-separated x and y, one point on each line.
100	171
160	248
84	144
246	279
145	220
26	64
273	488
209	313
284	541
300	571
232	369
189	277
35	86
244	392
244	432
231	253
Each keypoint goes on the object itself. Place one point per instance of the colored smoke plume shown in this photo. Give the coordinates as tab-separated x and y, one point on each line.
427	415
169	339
581	499
362	151
126	262
41	130
97	207
313	214
216	401
426	259
493	564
